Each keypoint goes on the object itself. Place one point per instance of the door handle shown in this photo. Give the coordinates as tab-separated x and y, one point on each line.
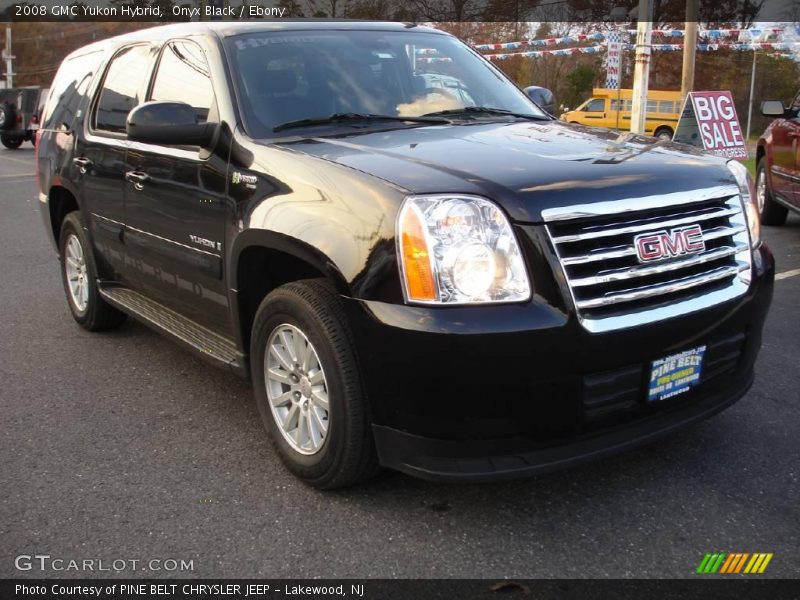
137	178
82	163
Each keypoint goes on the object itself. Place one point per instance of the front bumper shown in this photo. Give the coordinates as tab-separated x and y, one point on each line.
490	460
479	393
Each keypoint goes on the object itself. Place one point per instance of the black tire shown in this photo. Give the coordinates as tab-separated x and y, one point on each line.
771	212
346	455
97	315
7	116
663	133
11	142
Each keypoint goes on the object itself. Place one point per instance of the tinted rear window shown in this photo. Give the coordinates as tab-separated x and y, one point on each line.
69	87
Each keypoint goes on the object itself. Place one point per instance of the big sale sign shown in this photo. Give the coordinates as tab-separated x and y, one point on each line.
709	119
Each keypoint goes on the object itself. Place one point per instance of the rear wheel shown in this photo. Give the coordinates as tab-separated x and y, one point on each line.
307	386
664	133
11	142
7	116
771	212
79	276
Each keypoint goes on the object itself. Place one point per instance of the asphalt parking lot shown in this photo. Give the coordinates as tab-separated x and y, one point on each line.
123	446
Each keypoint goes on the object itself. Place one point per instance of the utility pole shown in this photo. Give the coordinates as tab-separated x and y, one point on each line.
9	58
689	48
641	71
750	100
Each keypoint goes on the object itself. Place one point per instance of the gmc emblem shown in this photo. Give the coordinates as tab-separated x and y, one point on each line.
668	244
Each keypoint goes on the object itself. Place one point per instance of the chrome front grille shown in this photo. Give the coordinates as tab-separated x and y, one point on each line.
613	289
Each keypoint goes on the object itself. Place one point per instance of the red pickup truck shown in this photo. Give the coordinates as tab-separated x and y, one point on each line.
778	162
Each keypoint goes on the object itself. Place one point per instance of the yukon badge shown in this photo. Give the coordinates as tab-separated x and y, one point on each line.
661	245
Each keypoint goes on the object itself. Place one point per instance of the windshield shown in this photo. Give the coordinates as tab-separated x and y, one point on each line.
288	76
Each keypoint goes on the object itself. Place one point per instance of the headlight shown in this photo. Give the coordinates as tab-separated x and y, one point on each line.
459	250
747	193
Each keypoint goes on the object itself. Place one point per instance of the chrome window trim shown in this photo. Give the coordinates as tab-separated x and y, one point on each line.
127	144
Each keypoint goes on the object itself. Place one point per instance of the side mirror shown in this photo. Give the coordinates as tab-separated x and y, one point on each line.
543	98
772	108
169	123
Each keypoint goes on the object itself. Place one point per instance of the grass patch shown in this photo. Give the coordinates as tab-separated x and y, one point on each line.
750	163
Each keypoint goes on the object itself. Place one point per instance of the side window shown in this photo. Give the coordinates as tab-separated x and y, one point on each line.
183	76
120	93
595	105
69	87
666	106
652	106
622	105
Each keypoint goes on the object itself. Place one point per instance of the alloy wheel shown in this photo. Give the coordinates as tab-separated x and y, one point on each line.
77	273
297	390
761	191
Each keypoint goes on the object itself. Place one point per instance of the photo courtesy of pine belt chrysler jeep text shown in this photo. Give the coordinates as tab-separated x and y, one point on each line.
417	266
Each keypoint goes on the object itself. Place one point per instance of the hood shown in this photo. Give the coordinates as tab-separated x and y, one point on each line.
527	166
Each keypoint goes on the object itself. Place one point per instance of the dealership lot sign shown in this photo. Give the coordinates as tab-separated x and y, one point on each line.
709	119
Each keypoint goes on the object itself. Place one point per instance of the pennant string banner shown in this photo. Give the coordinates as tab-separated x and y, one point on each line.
657	47
584	37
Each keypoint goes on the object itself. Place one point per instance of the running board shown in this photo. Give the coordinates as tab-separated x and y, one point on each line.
210	346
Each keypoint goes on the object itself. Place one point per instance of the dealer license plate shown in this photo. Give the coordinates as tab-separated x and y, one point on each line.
675	374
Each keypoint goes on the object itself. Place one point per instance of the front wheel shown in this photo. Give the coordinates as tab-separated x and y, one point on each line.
771	212
664	133
307	386
11	142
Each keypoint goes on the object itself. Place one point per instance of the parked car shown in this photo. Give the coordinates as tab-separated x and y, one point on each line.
612	109
778	162
457	291
20	110
543	98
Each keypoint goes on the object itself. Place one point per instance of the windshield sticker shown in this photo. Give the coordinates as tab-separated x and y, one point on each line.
257	42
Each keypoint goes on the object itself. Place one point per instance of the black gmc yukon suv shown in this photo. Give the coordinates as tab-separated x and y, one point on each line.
440	279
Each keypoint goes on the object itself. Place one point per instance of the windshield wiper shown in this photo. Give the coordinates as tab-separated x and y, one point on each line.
356	117
486	110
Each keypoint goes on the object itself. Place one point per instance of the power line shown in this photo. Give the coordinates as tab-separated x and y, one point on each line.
61	34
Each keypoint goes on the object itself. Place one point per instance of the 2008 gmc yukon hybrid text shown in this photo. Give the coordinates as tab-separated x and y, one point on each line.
417	267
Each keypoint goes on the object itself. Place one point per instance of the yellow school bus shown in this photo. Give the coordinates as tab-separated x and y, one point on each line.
612	109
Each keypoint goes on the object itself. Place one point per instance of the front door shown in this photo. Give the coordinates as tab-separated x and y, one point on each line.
594	113
175	201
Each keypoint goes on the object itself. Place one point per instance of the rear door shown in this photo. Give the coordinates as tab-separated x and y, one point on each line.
100	153
175	199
